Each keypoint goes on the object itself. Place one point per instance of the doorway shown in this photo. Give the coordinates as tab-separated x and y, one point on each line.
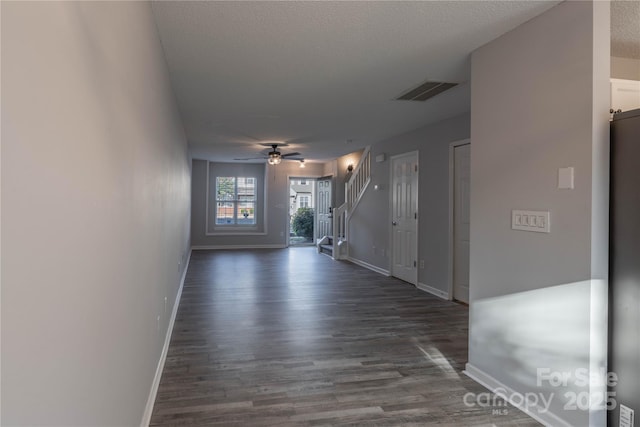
404	217
325	209
302	203
460	184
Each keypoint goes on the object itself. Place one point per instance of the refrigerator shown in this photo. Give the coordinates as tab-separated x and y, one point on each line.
624	266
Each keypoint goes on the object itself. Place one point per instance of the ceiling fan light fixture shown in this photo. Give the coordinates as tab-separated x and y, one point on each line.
274	158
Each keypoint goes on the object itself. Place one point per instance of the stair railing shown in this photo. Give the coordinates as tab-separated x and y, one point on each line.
353	191
340	231
360	178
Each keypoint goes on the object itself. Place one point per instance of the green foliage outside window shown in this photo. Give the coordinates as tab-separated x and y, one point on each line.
226	188
302	223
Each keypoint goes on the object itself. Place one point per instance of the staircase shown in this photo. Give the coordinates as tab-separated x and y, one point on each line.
336	246
325	246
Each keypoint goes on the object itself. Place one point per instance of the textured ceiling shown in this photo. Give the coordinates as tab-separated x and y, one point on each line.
625	28
321	76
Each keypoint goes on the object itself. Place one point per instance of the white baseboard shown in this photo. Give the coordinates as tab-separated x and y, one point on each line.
369	266
208	247
148	411
434	291
536	412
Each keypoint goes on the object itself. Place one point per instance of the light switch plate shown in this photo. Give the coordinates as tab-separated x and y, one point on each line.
565	178
626	416
537	221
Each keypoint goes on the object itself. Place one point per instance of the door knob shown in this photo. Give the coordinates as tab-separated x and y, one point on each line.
394	223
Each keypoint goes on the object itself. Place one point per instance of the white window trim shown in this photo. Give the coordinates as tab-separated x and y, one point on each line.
235	230
236	204
306	199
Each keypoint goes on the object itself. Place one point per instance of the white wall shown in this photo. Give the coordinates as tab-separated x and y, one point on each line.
370	224
539	300
95	208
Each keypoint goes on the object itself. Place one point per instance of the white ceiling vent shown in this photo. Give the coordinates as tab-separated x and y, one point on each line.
425	91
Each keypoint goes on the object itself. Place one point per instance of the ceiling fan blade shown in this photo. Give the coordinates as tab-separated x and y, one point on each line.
290	154
293	158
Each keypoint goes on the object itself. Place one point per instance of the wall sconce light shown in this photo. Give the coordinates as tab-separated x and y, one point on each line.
302	163
350	168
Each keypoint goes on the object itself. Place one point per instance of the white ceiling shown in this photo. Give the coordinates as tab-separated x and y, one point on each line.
321	76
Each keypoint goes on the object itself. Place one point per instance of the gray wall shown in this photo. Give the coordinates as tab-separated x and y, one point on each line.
95	209
342	175
369	232
277	206
539	103
338	170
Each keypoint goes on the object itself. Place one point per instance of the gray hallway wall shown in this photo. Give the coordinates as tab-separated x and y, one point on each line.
95	211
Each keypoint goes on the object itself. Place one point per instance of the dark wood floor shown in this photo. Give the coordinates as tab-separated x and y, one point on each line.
291	337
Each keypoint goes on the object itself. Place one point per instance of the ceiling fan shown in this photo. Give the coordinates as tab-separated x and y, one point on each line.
274	157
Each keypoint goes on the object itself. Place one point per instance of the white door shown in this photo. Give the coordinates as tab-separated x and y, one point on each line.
461	186
404	217
323	210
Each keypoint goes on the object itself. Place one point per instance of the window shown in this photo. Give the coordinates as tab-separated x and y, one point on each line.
304	201
235	200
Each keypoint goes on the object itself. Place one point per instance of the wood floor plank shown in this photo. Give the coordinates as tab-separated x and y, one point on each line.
293	338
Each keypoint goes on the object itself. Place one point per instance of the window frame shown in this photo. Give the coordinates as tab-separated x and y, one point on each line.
255	171
236	201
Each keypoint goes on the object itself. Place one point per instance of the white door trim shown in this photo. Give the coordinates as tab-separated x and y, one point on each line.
390	185
452	147
287	227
